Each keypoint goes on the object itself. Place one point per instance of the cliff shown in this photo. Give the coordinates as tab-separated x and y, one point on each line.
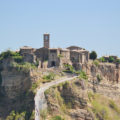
77	100
81	99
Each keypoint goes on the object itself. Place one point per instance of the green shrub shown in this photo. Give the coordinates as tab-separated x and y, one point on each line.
100	110
102	59
18	59
114	106
57	118
11	116
43	114
49	77
9	53
23	66
93	55
34	86
16	116
20	116
117	61
99	78
68	68
96	63
83	75
60	56
111	59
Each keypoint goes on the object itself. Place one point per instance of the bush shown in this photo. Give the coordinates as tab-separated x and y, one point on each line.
16	116
57	118
43	114
96	63
111	59
15	55
114	106
60	56
83	75
102	59
23	66
18	59
68	68
11	116
117	61
93	55
99	78
49	77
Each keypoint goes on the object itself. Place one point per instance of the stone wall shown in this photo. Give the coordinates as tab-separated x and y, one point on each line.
42	54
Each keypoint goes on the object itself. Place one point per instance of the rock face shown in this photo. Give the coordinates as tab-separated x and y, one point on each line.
14	89
110	72
69	98
14	83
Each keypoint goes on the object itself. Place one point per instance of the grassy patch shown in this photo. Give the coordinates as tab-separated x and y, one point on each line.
43	114
96	63
83	75
57	118
15	55
103	108
49	77
114	106
99	78
16	116
23	66
69	68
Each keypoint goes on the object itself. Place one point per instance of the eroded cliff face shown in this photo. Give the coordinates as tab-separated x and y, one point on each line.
77	100
14	83
109	72
14	90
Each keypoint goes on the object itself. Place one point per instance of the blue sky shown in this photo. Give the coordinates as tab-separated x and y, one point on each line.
91	24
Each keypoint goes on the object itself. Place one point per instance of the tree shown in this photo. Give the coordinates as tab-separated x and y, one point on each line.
111	59
93	55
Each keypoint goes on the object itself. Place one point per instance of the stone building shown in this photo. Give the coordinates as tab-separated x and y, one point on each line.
58	57
28	54
78	55
55	57
46	40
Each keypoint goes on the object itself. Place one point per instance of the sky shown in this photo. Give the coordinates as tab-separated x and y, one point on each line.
91	24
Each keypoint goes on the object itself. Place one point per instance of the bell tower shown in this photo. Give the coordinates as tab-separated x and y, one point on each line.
46	38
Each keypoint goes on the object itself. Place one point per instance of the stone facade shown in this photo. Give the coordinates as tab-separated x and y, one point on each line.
46	40
55	57
42	54
58	57
75	56
28	54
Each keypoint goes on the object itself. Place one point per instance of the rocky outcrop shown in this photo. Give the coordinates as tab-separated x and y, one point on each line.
14	89
69	98
107	71
14	83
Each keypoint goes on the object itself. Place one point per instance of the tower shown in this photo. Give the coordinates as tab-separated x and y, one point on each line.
46	40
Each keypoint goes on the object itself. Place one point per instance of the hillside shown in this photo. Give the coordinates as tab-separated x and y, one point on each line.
94	93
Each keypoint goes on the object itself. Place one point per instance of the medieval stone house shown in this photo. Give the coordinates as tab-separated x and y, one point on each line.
55	57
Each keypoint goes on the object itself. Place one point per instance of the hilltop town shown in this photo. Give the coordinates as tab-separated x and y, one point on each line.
58	84
55	57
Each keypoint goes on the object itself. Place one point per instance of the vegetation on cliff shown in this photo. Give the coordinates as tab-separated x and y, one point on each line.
11	54
68	97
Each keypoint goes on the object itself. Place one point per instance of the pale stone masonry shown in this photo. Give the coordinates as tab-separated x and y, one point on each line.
55	57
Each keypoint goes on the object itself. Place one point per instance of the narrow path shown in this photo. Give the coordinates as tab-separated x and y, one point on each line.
40	101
